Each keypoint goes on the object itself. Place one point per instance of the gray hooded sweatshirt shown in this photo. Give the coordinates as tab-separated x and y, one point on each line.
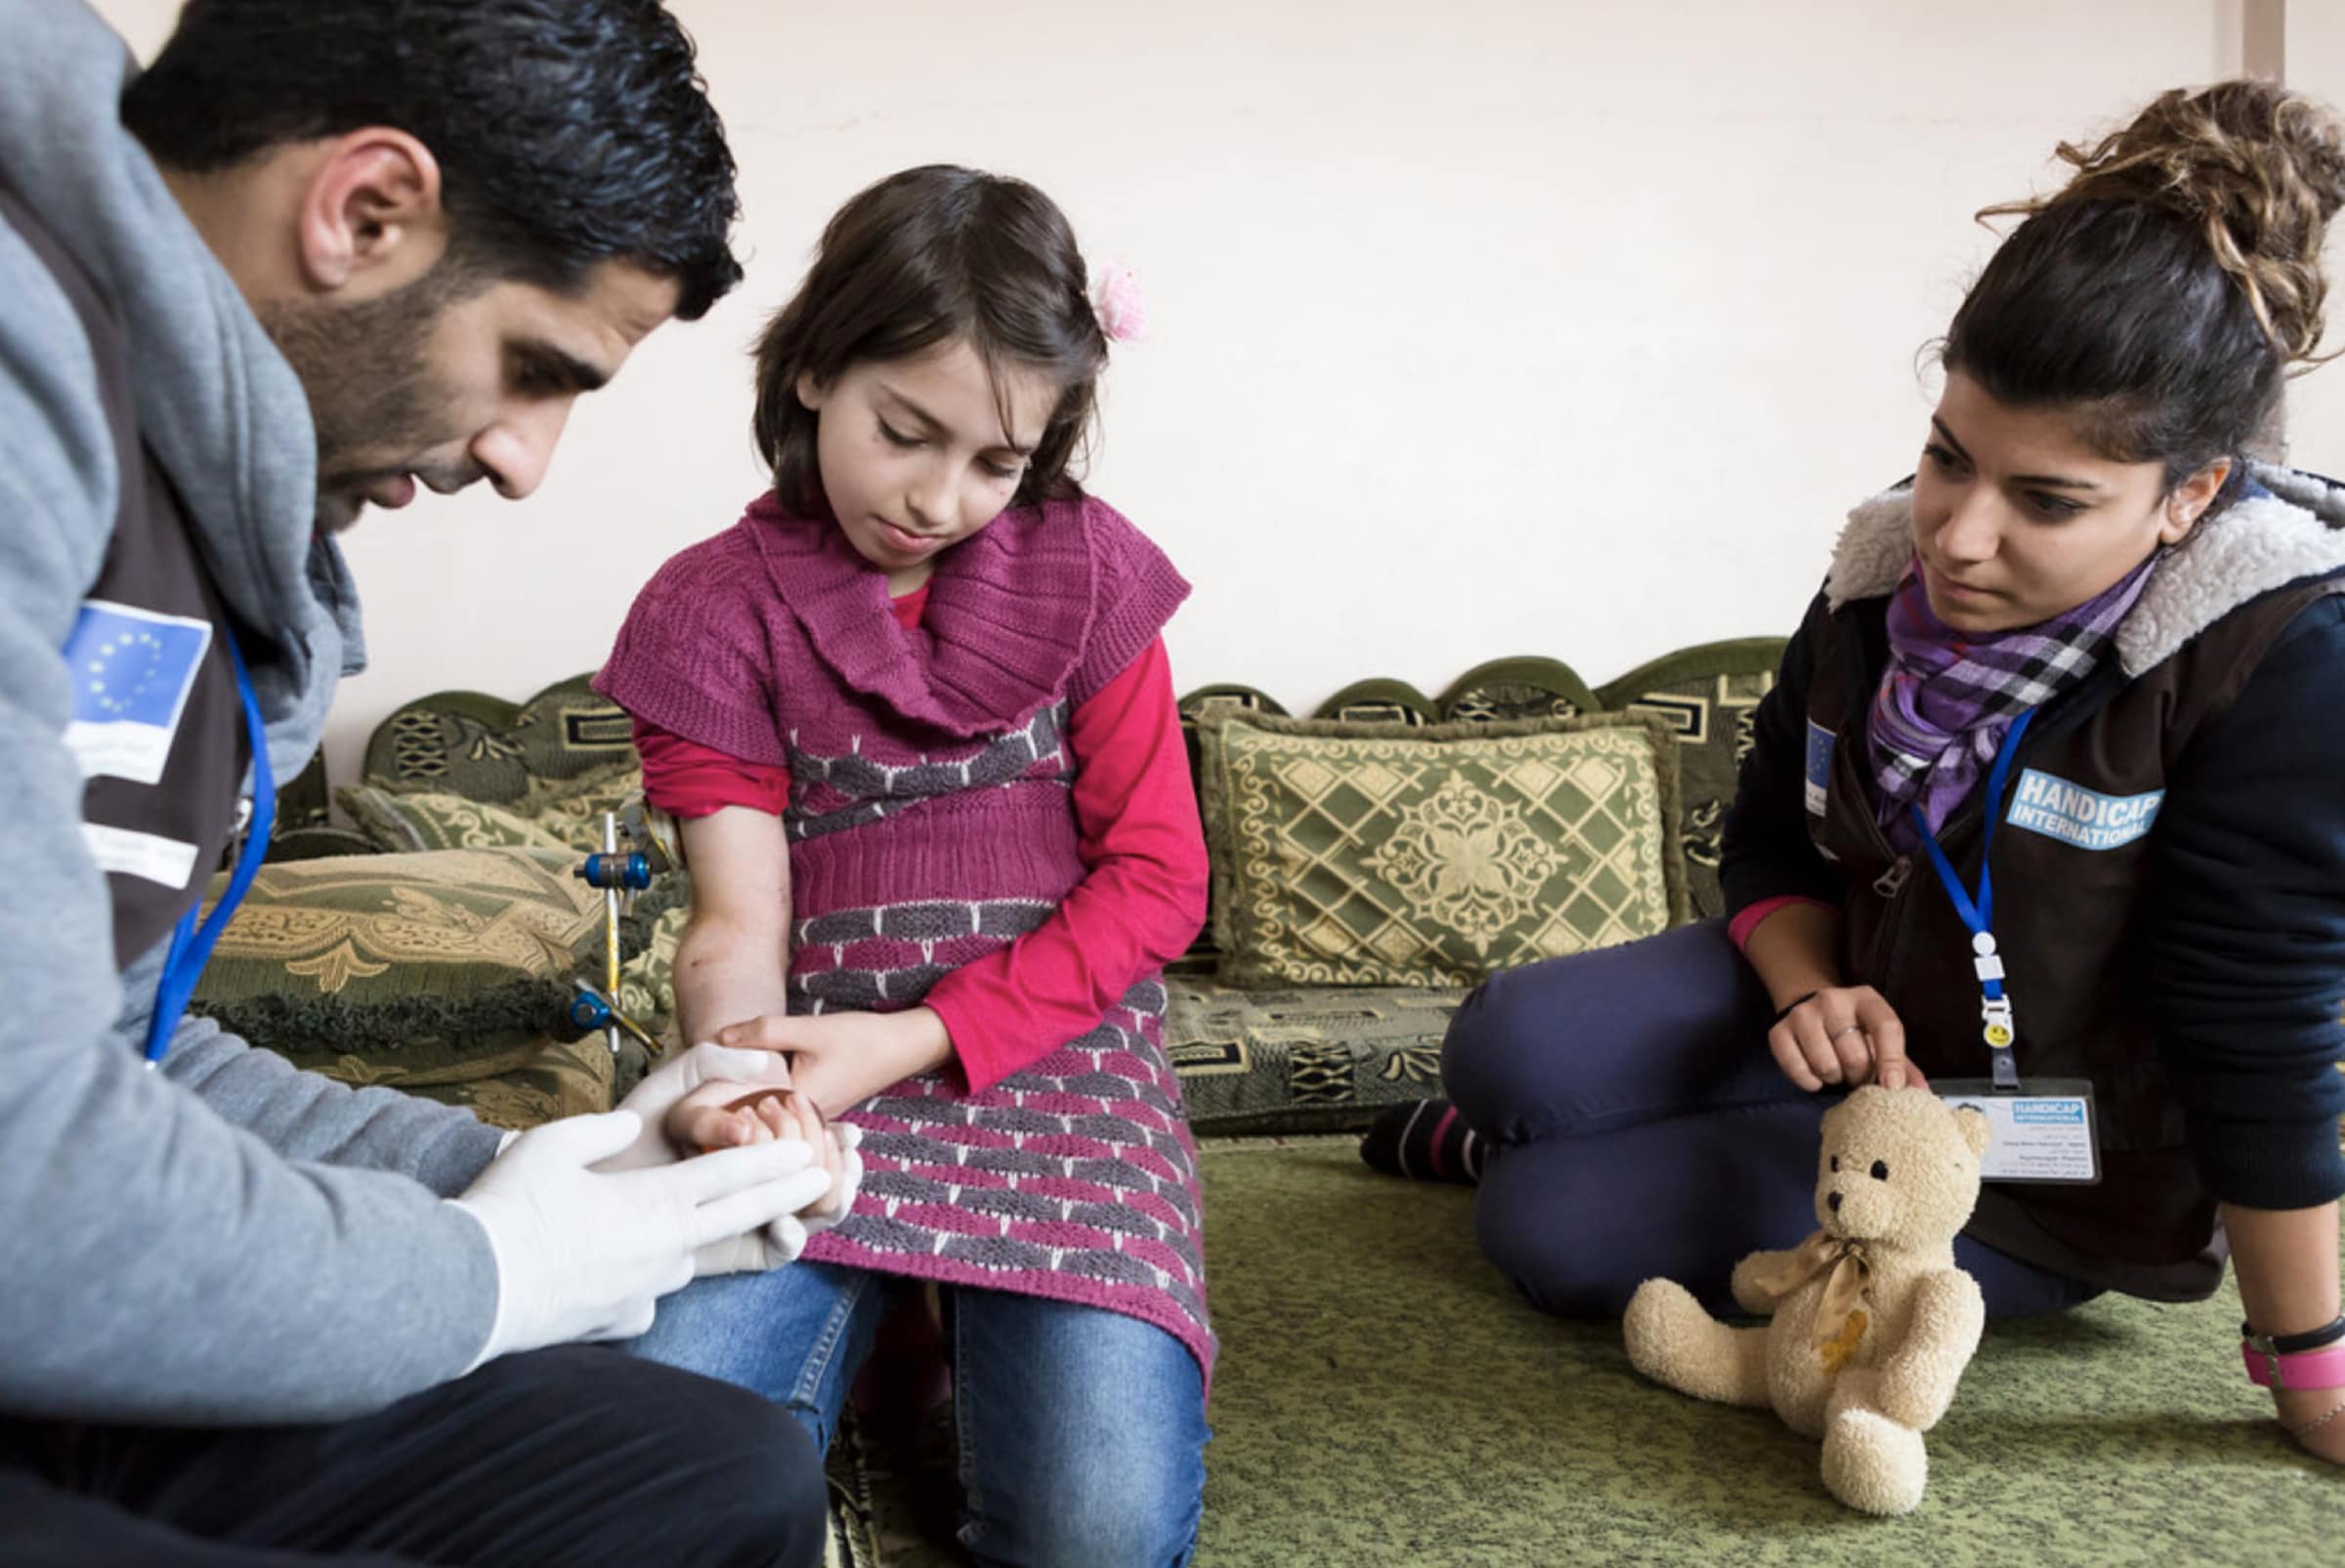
227	1240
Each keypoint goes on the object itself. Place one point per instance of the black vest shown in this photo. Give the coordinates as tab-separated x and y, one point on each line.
2064	923
157	725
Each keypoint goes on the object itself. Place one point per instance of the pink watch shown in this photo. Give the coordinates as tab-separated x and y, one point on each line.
2312	1360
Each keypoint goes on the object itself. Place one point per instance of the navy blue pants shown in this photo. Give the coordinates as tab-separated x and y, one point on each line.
1639	1127
573	1456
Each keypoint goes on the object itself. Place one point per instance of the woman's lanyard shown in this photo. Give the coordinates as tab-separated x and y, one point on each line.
191	944
1994	1007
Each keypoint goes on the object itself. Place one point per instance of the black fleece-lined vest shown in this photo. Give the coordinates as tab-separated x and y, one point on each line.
2071	857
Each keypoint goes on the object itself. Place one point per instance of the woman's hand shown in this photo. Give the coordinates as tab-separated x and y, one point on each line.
839	1060
2298	1409
1843	1035
2285	1260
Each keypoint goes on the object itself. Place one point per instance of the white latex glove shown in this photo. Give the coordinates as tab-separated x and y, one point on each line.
784	1238
677	1075
584	1254
840	1199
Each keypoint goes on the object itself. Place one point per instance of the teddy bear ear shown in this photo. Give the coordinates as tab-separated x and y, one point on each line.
1975	1129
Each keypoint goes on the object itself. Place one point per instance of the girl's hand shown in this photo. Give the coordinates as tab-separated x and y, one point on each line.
839	1060
1843	1035
2298	1408
794	1115
774	1113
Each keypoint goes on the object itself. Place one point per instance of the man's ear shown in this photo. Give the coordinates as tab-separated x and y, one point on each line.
370	218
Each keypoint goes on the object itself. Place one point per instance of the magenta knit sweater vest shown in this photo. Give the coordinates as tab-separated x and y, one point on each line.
931	822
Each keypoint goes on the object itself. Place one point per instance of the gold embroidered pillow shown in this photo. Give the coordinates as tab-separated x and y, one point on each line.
1383	854
420	960
403	823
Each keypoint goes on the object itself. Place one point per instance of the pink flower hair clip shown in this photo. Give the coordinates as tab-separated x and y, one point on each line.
1116	300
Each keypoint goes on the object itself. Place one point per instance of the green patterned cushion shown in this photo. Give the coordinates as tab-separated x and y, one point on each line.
1509	689
1708	697
554	1080
1382	700
424	961
1203	956
1308	1059
1382	855
647	979
522	1085
313	843
429	820
302	801
484	748
571	810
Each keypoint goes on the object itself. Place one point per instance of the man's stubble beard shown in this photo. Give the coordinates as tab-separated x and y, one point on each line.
365	371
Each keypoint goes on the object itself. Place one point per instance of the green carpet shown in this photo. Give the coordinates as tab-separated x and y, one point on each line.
1384	1398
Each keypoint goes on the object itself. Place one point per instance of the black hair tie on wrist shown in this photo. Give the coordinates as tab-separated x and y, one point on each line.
2290	1345
1794	1006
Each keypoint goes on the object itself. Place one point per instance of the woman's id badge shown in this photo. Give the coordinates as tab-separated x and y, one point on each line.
2043	1130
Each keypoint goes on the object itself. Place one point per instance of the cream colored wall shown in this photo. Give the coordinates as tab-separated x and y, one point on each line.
1481	328
2316	62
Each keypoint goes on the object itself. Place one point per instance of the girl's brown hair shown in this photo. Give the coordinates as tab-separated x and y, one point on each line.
921	259
2162	295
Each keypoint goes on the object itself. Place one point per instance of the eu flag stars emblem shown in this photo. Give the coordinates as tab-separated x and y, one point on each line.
132	672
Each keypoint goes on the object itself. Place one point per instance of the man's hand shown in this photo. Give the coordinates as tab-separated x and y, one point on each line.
785	1238
842	1059
676	1076
1844	1035
584	1253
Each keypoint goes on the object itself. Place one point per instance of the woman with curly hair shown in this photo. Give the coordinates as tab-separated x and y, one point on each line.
2050	796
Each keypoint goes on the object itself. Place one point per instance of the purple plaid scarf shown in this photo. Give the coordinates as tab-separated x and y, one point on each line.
1946	699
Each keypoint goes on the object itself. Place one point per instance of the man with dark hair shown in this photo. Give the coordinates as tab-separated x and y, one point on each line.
566	134
320	251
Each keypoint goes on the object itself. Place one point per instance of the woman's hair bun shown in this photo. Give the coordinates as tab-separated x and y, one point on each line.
2255	170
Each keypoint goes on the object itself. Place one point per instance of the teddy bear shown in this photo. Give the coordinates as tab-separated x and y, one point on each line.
1870	1321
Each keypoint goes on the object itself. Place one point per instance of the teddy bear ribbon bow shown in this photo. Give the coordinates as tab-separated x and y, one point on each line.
1840	1321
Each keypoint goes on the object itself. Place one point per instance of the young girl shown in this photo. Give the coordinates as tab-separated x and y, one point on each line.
2092	638
915	718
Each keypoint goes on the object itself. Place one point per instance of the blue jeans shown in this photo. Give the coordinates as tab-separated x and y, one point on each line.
1639	1127
1081	1432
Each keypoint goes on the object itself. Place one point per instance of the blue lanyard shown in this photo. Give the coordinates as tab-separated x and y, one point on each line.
1977	915
191	944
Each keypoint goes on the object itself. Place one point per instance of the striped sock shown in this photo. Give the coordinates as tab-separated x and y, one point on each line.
1427	1141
